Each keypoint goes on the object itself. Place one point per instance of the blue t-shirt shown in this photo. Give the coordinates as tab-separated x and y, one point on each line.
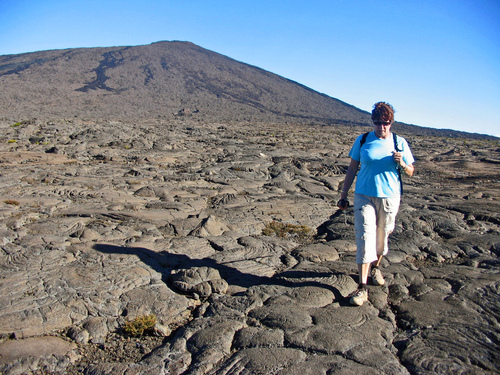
378	176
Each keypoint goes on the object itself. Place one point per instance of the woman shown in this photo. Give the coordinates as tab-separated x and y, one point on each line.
377	193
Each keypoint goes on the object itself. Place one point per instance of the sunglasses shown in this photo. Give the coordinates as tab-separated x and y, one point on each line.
380	123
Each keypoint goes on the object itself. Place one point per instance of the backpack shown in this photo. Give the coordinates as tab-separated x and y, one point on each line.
396	147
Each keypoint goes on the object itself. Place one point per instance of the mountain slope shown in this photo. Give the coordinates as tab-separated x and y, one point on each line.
154	80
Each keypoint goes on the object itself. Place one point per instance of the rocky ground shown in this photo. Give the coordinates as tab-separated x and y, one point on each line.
229	235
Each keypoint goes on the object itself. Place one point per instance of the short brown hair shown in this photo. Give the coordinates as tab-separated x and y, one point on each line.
383	111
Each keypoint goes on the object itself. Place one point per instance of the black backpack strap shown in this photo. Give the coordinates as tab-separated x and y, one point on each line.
396	147
363	140
395	138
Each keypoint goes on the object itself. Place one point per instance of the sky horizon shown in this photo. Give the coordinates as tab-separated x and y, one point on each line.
437	62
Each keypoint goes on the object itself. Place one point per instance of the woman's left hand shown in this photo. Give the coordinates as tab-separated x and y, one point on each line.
398	158
408	169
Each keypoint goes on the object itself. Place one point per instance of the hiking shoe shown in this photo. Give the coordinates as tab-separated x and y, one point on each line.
360	297
377	277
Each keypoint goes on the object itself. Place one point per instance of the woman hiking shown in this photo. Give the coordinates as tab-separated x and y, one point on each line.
383	157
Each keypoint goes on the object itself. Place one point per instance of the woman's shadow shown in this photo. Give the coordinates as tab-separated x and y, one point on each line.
165	262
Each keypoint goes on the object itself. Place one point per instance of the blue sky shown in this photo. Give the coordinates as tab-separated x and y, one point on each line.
437	62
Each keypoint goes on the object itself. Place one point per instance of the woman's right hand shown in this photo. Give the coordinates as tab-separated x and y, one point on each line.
343	204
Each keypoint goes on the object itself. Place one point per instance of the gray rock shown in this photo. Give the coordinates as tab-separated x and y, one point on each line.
36	353
97	329
261	361
335	331
202	281
316	253
256	337
81	336
277	316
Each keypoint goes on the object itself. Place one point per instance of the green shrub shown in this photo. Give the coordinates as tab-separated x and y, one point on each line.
140	324
282	230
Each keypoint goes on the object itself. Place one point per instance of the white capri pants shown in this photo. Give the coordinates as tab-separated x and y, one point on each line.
374	221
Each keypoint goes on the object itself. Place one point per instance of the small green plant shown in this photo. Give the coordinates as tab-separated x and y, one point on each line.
16	125
11	141
140	324
282	230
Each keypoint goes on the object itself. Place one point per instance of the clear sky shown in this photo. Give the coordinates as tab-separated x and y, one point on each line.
436	61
